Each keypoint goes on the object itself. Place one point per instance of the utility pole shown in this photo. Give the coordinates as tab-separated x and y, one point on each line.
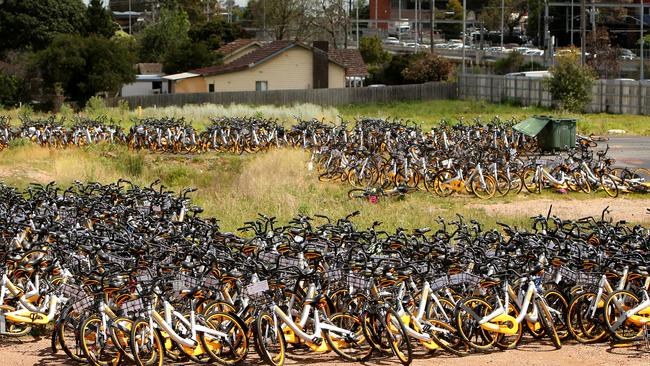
399	21
572	17
433	23
377	16
464	33
548	53
416	26
357	11
129	16
642	58
583	31
264	19
503	10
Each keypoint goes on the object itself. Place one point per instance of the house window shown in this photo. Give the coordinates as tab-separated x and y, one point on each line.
211	88
261	85
156	85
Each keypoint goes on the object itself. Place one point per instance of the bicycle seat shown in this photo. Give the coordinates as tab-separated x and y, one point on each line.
422	230
320	298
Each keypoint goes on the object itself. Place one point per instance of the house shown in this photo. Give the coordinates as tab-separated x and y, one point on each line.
145	85
279	65
356	71
185	82
238	48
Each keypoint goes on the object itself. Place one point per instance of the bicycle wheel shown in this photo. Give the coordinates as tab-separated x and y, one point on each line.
583	326
483	190
469	328
68	336
397	337
351	347
269	339
444	183
546	319
530	181
446	336
120	332
608	183
146	345
373	329
231	348
503	183
357	193
615	307
558	307
97	344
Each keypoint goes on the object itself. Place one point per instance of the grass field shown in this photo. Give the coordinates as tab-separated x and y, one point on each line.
236	188
428	113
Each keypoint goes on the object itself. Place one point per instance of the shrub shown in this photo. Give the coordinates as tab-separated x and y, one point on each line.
428	68
372	51
95	106
512	63
570	83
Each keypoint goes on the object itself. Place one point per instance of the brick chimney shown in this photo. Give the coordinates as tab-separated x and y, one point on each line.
321	65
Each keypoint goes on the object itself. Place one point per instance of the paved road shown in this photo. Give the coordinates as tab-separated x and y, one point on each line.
629	151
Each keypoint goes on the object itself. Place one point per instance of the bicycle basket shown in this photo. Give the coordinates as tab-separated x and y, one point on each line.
464	278
584	279
134	307
439	283
82	304
72	292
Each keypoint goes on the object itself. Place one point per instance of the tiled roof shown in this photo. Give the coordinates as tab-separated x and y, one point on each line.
276	47
351	59
248	60
235	45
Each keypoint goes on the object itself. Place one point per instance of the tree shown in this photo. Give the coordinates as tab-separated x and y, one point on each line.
284	19
169	32
189	56
195	9
216	33
428	68
603	58
83	67
32	24
571	83
512	63
491	14
453	11
99	21
334	20
12	90
372	51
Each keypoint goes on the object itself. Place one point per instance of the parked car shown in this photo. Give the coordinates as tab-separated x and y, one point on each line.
626	54
534	53
391	41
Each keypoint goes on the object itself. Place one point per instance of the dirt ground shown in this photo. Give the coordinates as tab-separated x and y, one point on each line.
621	208
37	352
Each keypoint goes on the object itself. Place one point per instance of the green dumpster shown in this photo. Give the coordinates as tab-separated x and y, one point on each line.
552	133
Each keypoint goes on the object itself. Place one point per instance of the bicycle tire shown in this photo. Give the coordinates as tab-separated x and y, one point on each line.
546	319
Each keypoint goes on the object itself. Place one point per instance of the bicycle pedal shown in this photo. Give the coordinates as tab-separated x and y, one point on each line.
317	341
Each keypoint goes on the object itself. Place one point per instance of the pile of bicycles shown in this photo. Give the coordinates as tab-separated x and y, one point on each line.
376	157
124	272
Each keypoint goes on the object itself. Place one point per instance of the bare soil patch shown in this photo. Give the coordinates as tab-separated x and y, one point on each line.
37	352
621	208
